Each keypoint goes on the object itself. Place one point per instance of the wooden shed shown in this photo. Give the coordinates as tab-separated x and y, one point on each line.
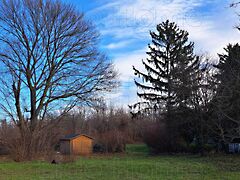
76	144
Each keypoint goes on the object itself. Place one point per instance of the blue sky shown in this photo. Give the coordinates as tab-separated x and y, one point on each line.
124	27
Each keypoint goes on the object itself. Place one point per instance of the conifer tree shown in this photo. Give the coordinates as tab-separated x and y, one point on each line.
227	98
171	68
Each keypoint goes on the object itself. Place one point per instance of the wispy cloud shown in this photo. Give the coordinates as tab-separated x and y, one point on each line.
104	7
139	16
133	20
124	63
118	45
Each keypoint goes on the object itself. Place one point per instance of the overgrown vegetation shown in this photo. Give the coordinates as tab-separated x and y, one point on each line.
191	102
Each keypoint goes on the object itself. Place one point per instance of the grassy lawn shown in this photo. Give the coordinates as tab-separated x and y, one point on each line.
135	164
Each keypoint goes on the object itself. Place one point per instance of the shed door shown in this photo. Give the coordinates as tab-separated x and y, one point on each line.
65	147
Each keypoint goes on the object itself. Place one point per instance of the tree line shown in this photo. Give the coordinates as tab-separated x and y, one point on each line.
191	100
111	127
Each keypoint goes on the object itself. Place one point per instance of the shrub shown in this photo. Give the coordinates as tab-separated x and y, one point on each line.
193	148
29	146
112	141
160	140
99	148
156	137
209	148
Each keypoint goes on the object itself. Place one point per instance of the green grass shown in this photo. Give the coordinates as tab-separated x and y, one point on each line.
134	165
140	149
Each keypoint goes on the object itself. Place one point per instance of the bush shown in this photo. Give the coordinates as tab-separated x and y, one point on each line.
193	148
209	148
157	138
161	140
29	146
99	148
111	142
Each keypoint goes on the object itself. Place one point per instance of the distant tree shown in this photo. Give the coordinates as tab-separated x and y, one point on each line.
226	101
49	62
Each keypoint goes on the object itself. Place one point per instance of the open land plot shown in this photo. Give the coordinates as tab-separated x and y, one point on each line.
135	164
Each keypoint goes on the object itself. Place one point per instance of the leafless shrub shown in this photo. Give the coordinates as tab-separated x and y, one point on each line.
42	143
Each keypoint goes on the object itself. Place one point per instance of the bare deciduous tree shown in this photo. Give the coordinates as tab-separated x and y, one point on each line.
49	62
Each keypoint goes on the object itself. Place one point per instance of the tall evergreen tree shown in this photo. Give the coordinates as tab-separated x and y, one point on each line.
171	68
227	98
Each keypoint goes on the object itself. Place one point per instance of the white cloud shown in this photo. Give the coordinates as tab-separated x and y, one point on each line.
104	7
154	11
127	93
124	64
210	31
117	45
139	16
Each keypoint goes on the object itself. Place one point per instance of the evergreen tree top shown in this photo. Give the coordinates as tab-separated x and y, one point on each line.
170	65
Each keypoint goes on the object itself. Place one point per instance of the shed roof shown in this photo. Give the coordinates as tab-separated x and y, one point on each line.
74	136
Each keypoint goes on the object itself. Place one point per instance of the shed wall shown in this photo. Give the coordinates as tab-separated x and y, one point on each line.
82	145
65	147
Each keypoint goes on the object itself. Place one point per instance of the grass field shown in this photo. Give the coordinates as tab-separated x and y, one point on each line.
135	164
